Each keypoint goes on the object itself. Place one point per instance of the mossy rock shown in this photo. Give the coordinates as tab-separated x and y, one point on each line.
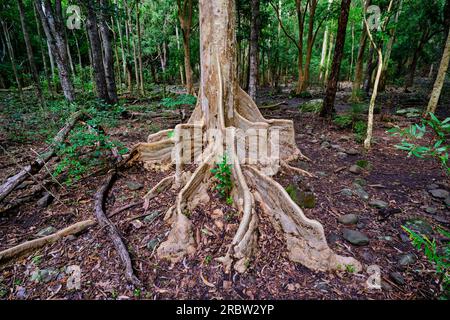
364	164
301	198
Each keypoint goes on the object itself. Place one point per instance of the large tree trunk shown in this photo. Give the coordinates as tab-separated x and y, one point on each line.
53	27
439	83
41	47
228	118
96	52
29	48
185	17
330	95
254	50
108	62
310	43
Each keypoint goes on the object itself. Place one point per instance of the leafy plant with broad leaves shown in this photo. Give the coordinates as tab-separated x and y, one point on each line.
438	149
222	175
439	257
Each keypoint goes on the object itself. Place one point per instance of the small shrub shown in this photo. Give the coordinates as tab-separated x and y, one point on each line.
439	257
222	175
343	121
360	130
438	149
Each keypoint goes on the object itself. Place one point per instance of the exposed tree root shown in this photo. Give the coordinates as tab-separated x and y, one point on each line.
11	183
111	229
28	246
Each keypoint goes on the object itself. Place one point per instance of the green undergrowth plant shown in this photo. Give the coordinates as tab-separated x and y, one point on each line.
222	176
439	256
83	151
438	148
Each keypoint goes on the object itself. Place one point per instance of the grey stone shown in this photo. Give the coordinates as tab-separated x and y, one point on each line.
333	238
431	210
352	152
349	219
440	193
355	237
151	245
46	231
407	259
355	169
325	145
21	292
385	238
152	216
341	155
419	226
432	186
49	274
133	186
360	181
347	192
45	201
397	278
379	204
360	192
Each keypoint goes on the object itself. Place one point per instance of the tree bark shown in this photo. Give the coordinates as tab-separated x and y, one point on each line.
439	83
330	95
29	48
356	87
254	49
44	59
185	18
96	52
139	48
12	59
108	59
53	27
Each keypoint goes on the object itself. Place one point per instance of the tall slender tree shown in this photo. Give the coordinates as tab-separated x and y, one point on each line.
30	55
254	49
330	95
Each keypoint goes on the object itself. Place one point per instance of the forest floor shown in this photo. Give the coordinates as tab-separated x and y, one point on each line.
388	175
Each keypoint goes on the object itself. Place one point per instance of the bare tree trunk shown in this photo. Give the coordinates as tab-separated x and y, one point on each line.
108	59
12	59
185	17
53	27
330	51
356	87
96	51
254	49
378	49
330	95
139	48
179	49
122	49
322	64
44	59
29	49
439	83
310	43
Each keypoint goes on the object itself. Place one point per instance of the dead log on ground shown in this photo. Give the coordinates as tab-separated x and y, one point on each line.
28	246
12	182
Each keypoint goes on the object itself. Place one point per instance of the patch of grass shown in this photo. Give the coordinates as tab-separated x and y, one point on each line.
363	164
360	131
207	259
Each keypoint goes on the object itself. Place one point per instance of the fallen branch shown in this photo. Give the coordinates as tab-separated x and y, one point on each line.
25	247
111	229
12	182
121	209
272	106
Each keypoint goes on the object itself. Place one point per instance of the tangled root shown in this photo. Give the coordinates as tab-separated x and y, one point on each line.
305	239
